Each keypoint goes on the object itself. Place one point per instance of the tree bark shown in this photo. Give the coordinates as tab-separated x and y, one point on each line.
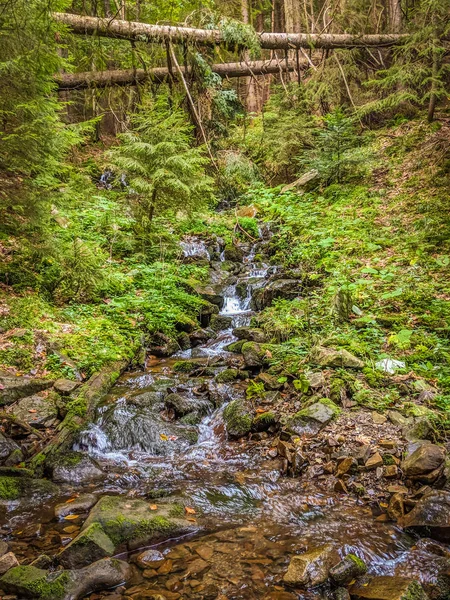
132	30
395	16
101	79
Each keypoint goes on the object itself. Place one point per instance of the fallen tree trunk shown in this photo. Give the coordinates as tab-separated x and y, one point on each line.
143	32
101	79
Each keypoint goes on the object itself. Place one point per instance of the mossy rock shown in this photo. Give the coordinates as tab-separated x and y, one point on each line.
185	366
17	488
130	522
238	418
233	253
31	582
235	347
227	375
90	545
264	421
315	416
220	322
386	587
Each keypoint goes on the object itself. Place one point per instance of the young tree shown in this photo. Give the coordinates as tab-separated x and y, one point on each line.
162	168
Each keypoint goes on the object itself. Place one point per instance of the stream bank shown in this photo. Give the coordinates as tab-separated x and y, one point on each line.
212	461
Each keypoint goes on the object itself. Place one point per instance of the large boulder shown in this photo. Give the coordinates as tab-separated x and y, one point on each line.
90	545
26	489
254	354
27	581
388	588
36	410
233	253
238	417
183	405
211	293
431	515
76	506
331	357
279	288
424	462
312	418
130	522
77	469
14	388
312	568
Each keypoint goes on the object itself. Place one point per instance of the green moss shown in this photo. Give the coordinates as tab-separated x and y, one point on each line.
35	582
388	459
10	488
360	564
176	511
238	421
235	347
69	459
185	366
227	375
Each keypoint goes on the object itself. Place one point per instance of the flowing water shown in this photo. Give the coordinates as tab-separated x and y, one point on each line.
251	518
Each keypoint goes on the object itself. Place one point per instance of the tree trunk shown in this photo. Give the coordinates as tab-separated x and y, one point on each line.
101	79
132	30
292	16
395	16
434	78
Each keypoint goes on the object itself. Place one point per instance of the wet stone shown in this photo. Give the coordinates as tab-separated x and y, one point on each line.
150	559
311	568
79	505
349	568
7	561
388	588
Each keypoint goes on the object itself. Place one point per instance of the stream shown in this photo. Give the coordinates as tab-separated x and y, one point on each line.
250	517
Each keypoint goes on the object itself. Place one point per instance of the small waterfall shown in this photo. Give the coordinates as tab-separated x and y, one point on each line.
194	248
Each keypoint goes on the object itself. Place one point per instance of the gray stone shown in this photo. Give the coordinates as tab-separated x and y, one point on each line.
85	471
150	559
331	357
238	418
7	446
253	354
3	547
65	386
316	380
251	334
37	411
80	505
279	288
14	388
349	568
311	568
312	418
423	460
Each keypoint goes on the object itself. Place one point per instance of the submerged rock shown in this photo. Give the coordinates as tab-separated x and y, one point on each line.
238	417
311	568
431	515
388	588
349	568
30	582
130	522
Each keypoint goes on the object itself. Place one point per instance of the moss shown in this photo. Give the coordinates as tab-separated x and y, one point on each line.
235	347
69	459
185	366
10	488
35	582
388	459
237	419
264	420
227	375
176	511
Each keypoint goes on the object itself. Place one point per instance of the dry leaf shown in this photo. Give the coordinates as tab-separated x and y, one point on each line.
32	410
189	510
71	517
163	436
153	507
70	500
191	519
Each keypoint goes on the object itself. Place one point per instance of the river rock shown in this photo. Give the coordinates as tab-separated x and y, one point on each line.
220	323
431	514
184	405
15	388
65	386
8	450
350	567
77	470
150	559
238	418
331	357
211	293
388	588
251	334
233	253
30	582
8	561
312	418
90	545
279	288
254	354
80	505
424	460
39	412
26	489
270	381
131	523
201	336
311	568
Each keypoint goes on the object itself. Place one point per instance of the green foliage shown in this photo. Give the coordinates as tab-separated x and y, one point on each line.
284	319
164	171
240	36
250	226
255	389
237	174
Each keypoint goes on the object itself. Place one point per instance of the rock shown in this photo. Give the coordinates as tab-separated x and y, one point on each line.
425	459
8	447
200	337
3	547
233	253
350	567
65	386
345	466
270	381
311	568
340	487
238	418
15	388
398	419
90	545
235	347
378	419
396	508
307	178
36	410
419	429
341	594
26	489
253	354
316	380
220	322
362	453
76	469
390	471
375	461
312	418
264	421
227	375
30	582
8	561
251	334
330	357
80	505
279	288
431	513
130	522
184	405
150	559
388	588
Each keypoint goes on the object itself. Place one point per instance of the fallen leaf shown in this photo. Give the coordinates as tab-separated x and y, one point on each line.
32	410
153	507
70	500
163	436
71	517
261	410
189	510
191	519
